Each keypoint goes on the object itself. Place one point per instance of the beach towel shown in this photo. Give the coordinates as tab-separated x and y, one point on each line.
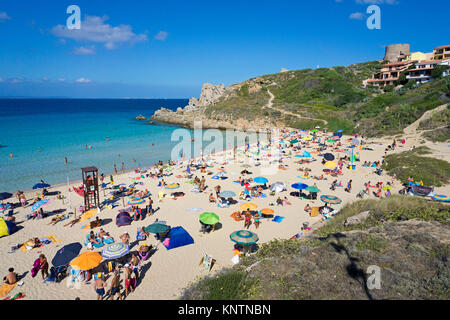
194	209
6	288
45	241
278	219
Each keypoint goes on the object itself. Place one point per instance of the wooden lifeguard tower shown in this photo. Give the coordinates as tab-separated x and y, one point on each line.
90	187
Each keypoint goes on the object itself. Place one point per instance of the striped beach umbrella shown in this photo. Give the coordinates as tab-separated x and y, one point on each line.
261	180
209	218
441	198
244	237
39	204
330	199
172	186
115	250
136	201
299	186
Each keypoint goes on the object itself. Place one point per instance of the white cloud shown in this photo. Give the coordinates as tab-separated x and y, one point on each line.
162	36
2	80
45	79
4	16
84	51
357	16
61	79
17	80
83	80
94	29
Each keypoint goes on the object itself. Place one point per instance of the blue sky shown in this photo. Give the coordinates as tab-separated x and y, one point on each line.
168	49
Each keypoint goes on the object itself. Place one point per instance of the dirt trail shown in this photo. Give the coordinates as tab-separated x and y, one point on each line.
412	128
270	106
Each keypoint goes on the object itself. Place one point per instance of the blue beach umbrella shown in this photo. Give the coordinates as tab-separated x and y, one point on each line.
299	186
41	186
66	254
261	180
39	204
115	250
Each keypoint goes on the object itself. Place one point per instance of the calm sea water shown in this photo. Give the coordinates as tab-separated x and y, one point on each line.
41	132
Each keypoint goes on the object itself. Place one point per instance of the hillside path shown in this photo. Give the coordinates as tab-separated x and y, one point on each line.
270	106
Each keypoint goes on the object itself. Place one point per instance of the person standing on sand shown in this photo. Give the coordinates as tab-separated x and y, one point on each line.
115	286
99	286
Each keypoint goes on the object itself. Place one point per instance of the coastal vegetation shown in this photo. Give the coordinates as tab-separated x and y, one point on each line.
432	171
335	96
401	236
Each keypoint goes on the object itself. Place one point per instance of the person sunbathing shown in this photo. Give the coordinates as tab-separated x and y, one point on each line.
279	202
125	238
11	277
102	234
56	219
71	223
211	198
144	251
93	238
35	242
286	202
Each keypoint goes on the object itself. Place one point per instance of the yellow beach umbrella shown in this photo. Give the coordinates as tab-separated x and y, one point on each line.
248	206
86	261
330	164
307	138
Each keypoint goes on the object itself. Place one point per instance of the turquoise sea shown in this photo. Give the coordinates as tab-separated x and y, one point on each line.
40	133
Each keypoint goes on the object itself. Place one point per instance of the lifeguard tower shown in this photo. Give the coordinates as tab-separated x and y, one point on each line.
90	187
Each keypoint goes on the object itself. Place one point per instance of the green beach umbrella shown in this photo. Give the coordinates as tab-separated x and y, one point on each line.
314	130
331	141
209	218
312	189
157	228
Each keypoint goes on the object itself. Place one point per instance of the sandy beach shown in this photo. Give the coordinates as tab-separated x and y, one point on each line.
167	272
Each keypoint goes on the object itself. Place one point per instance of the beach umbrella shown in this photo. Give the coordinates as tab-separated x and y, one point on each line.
248	206
339	131
328	157
41	186
115	250
136	201
209	218
39	204
244	237
261	180
355	141
88	214
294	141
441	197
387	188
278	187
157	228
299	186
314	130
172	186
5	195
330	164
307	138
227	194
331	141
312	189
330	199
66	254
267	211
86	261
355	135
